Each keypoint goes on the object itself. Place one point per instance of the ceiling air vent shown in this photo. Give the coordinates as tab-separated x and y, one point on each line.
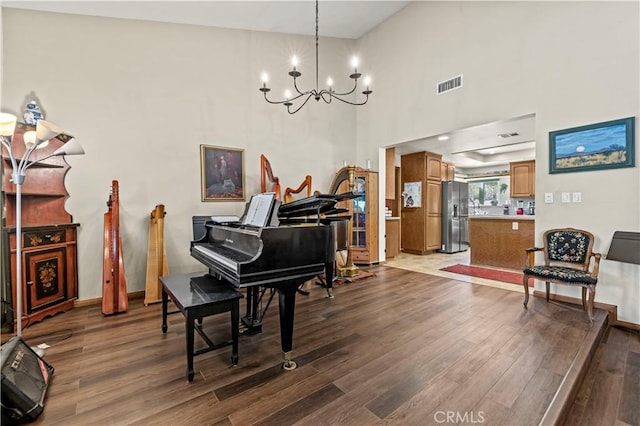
508	135
451	84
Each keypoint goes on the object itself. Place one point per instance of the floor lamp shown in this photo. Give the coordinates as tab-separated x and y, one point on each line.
33	140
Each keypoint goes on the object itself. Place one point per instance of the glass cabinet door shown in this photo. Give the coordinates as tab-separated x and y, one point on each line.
359	236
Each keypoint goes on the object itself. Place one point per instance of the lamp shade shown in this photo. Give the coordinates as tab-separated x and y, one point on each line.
72	147
46	130
7	124
29	138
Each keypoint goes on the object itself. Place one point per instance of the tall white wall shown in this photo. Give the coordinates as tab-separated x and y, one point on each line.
570	63
141	97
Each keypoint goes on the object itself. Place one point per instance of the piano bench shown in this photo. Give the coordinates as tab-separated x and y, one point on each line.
198	296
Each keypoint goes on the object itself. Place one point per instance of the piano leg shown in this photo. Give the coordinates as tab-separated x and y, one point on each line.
287	304
327	282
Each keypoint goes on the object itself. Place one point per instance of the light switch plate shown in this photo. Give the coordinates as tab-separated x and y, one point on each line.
576	197
548	197
566	197
514	226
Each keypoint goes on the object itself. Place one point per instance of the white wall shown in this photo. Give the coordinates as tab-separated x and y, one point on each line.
570	63
141	97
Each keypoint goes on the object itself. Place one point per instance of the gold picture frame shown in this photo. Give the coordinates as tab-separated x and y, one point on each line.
222	173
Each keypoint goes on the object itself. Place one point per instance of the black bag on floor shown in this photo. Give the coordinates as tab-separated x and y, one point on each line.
25	379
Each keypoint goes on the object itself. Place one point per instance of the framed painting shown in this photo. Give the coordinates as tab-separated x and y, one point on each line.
607	145
222	173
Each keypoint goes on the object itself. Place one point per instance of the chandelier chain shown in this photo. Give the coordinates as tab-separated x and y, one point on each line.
317	44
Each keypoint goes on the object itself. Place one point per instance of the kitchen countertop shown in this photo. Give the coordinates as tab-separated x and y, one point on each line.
506	217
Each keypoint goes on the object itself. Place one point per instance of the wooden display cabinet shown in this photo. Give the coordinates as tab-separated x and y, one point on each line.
364	217
523	179
49	252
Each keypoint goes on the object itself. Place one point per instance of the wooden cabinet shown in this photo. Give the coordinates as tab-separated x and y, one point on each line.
447	171
392	238
523	179
421	225
364	218
49	253
390	174
434	167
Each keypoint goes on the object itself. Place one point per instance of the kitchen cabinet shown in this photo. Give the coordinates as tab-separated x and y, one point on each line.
523	179
49	253
447	171
392	237
421	225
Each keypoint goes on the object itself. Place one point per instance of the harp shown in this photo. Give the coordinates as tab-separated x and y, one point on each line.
156	256
114	284
289	192
268	182
346	176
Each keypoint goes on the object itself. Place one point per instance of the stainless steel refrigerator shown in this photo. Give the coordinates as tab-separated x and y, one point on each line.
455	217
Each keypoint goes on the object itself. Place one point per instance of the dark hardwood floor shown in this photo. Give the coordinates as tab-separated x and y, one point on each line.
397	348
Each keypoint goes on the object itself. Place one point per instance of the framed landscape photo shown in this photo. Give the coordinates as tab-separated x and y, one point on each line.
222	173
607	145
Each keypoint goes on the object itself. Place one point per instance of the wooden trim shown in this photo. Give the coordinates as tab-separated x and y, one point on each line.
98	300
625	324
611	309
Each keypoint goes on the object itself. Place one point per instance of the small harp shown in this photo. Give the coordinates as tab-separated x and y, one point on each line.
114	284
156	256
268	182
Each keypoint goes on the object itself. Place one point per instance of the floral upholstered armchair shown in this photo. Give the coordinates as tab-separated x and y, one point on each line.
567	258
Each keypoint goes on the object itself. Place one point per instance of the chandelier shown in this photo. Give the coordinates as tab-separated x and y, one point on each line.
300	98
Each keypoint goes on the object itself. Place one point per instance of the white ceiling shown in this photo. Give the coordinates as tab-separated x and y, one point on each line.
343	19
481	146
475	147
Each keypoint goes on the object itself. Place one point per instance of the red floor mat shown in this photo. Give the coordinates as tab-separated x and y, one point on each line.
491	274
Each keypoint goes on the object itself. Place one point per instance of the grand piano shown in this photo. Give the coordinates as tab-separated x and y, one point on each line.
258	252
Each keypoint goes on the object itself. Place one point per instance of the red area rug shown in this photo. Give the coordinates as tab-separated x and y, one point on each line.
491	274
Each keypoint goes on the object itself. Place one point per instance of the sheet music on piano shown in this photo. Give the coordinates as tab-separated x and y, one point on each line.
259	210
225	219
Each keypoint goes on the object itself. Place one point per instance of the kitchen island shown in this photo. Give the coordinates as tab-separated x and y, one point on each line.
500	241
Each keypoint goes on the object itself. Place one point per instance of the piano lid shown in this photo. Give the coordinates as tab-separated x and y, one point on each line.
318	204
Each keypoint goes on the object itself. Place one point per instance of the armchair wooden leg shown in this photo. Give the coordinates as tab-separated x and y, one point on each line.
584	298
592	297
525	282
547	284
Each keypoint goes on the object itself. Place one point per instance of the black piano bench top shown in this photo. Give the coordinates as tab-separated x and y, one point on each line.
198	296
191	290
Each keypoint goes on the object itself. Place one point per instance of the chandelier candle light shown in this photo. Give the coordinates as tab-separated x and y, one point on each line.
33	140
327	95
